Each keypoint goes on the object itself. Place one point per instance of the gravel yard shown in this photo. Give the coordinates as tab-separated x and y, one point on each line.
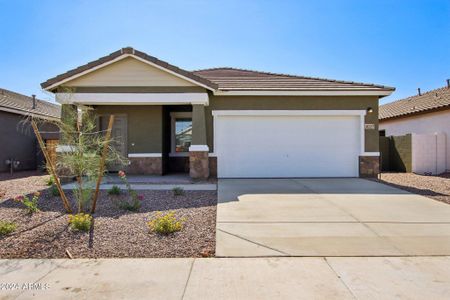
435	187
24	182
117	233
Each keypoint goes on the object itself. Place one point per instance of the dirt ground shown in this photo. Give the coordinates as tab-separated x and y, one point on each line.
116	233
435	187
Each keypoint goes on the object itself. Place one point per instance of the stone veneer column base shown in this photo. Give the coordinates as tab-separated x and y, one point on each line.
145	165
199	164
369	166
213	167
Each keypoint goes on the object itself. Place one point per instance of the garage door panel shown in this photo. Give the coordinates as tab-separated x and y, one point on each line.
287	146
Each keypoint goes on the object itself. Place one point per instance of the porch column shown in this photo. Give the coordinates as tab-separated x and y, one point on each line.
198	151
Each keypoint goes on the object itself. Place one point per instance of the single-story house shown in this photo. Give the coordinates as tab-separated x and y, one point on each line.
426	116
18	142
227	122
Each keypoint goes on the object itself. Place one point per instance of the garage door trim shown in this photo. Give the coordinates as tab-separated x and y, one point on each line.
361	113
219	115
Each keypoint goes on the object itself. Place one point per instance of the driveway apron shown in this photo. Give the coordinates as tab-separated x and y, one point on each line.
327	217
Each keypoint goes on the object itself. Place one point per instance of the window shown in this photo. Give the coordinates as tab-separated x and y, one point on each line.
181	133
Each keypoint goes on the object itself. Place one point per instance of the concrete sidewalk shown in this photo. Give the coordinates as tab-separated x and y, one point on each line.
152	187
229	278
152	182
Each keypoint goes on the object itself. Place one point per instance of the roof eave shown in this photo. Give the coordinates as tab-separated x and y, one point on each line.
58	80
303	92
415	113
29	113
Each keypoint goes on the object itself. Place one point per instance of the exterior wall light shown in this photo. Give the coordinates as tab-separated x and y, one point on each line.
369	110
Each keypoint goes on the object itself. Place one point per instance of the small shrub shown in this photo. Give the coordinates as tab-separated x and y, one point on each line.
80	222
30	204
178	191
51	181
125	205
136	199
7	227
54	190
165	223
115	190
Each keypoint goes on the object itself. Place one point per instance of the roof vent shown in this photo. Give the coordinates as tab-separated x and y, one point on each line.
127	50
448	83
34	101
419	92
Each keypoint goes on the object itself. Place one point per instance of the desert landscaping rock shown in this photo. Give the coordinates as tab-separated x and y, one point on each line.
435	187
117	233
20	183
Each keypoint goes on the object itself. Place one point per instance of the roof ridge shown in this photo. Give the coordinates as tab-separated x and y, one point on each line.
297	76
416	96
210	69
20	103
45	102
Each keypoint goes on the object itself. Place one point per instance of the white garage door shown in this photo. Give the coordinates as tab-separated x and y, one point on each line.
269	144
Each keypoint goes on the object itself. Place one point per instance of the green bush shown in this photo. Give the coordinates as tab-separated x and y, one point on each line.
178	191
7	227
126	204
80	222
51	181
115	190
31	204
165	223
54	190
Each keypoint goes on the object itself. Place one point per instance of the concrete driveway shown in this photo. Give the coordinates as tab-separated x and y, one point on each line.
327	217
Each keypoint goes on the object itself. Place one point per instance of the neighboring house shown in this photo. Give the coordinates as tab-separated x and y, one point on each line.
427	117
244	123
17	140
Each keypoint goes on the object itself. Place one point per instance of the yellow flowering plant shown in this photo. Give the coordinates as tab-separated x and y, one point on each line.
7	227
80	222
165	223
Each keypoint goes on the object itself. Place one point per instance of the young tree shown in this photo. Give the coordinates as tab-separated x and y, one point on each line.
85	151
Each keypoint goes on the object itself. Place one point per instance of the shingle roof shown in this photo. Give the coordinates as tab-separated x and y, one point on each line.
21	104
240	79
125	51
432	100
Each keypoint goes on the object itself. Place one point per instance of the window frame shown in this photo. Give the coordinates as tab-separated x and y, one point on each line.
173	118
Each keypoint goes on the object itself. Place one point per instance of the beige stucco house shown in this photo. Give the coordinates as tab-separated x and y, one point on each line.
226	122
426	117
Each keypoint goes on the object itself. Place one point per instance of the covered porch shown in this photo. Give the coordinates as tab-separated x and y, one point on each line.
159	110
158	137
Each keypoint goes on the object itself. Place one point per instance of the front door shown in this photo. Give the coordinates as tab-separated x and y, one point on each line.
118	136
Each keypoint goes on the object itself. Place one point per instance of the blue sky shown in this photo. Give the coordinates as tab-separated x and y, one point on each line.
405	44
